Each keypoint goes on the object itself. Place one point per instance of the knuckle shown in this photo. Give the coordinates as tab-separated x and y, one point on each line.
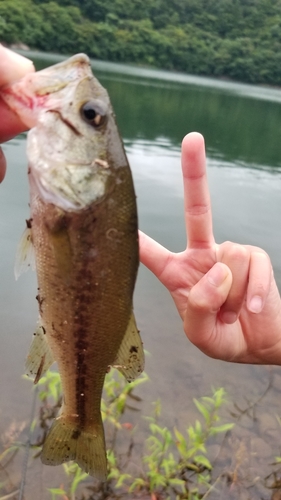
234	251
197	210
234	254
238	252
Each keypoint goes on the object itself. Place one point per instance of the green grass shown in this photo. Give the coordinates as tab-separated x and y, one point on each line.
172	464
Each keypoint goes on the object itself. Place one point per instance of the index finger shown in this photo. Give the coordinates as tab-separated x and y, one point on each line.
197	203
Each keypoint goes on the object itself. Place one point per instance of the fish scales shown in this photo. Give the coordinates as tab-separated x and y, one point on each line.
88	307
83	228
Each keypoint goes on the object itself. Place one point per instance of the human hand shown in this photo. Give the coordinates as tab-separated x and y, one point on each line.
226	294
12	67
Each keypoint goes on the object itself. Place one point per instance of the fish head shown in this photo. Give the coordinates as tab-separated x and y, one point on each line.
74	148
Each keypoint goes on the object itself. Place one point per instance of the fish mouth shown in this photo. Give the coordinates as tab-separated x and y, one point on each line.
66	121
43	90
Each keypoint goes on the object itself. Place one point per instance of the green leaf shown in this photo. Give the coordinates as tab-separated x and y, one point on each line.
139	483
157	429
191	433
202	460
221	428
114	473
57	491
79	477
208	400
203	410
121	480
111	457
178	482
156	480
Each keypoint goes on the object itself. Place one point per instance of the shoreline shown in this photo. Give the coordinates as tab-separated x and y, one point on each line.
24	49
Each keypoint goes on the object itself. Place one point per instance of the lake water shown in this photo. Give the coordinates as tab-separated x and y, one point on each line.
242	128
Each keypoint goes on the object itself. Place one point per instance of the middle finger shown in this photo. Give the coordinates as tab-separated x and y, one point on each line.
237	258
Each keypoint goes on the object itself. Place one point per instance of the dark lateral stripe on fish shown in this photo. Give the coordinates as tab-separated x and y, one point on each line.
81	346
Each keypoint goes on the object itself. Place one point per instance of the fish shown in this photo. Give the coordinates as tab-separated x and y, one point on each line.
83	236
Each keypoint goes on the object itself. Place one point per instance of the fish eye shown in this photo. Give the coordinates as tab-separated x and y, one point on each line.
93	113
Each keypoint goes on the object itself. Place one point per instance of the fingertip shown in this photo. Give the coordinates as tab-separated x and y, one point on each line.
218	274
13	66
193	157
193	140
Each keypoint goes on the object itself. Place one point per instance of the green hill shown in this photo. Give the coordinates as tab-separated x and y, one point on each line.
237	39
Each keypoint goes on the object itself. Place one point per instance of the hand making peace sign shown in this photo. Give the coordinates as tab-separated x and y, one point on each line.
226	294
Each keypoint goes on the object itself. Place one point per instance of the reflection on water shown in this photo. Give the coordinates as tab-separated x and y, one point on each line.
239	122
245	201
164	78
243	144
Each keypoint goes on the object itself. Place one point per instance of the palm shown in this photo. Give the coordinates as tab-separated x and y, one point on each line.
183	270
218	319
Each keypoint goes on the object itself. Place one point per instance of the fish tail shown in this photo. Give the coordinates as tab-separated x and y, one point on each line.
66	441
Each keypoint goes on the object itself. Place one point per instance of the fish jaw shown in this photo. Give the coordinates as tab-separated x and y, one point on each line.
45	89
70	185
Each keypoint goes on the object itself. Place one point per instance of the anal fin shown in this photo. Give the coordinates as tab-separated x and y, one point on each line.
130	357
40	357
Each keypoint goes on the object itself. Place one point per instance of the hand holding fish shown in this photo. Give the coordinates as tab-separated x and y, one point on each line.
226	294
12	67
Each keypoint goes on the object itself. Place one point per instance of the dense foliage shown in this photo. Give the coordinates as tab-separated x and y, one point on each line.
238	39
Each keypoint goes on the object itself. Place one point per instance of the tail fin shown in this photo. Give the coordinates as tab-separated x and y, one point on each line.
66	441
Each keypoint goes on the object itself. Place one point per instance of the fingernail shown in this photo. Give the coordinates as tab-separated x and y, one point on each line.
229	317
216	275
255	304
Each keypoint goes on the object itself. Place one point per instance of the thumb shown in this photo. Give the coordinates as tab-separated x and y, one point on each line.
204	301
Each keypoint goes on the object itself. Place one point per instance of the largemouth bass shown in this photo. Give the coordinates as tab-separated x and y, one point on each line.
83	228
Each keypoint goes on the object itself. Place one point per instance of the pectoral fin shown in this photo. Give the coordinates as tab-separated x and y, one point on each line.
130	357
25	257
40	357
